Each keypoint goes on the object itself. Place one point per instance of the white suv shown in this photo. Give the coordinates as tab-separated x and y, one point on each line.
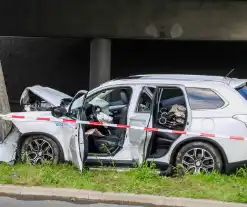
197	121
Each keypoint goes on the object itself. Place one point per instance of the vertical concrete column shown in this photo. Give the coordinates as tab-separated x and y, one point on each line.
100	62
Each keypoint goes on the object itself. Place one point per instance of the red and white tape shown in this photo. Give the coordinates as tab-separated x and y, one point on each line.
74	121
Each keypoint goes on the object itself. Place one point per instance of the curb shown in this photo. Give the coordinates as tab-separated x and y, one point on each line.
66	193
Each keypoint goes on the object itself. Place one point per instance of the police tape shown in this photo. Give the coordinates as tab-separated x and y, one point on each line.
27	118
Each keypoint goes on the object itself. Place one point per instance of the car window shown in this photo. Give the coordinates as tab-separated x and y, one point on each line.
168	93
76	106
145	100
114	98
203	98
243	91
110	97
169	96
99	99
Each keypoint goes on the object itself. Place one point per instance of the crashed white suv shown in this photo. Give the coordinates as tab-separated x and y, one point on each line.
197	121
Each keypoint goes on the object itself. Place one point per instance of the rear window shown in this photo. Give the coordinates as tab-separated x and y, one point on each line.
203	98
243	91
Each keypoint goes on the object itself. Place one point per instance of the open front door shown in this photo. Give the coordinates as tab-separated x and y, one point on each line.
78	142
77	147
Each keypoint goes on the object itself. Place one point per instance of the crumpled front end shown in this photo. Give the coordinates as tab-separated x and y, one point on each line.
39	98
9	146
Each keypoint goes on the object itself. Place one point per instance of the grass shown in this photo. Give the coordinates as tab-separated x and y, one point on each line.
142	180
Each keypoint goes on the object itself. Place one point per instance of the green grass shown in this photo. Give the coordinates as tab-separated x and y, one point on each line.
141	181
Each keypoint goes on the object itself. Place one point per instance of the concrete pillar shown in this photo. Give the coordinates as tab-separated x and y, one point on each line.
100	62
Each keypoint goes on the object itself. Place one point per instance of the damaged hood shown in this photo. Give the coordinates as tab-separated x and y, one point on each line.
49	95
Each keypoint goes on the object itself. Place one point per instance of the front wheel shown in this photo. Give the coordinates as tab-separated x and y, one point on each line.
40	149
199	157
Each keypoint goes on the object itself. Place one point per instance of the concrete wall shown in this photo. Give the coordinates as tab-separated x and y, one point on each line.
64	63
199	19
131	57
60	63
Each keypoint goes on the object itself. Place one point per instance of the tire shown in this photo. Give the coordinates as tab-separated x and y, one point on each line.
39	149
199	157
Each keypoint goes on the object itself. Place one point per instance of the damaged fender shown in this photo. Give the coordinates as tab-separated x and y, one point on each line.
8	148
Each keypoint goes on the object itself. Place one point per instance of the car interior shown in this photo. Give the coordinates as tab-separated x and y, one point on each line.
114	103
169	112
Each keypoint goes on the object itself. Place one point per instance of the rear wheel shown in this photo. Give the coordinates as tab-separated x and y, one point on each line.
199	157
40	149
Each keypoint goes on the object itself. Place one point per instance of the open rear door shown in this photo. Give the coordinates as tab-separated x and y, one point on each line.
139	139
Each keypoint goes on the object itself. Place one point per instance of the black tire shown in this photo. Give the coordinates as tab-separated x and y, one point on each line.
26	153
212	160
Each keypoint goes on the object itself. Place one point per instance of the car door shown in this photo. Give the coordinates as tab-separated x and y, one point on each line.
140	116
78	143
77	147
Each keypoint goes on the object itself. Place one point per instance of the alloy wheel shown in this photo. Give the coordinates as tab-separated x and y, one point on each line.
39	151
198	160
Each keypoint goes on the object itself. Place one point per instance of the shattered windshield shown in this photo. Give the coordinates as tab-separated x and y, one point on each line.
77	102
76	106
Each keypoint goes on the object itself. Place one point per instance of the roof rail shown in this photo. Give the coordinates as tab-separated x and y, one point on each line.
179	77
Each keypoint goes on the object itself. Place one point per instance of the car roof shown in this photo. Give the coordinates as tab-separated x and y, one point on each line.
178	79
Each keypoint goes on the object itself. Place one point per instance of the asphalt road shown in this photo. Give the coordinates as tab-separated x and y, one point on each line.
31	202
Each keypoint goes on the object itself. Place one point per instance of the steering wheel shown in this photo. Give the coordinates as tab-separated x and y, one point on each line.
95	111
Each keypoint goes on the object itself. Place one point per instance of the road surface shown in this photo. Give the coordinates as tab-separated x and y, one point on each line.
32	202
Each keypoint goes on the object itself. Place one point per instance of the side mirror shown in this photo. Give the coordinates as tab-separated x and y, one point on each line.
58	111
65	102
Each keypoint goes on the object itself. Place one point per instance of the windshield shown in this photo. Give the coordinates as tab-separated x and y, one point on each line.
77	102
76	106
243	91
